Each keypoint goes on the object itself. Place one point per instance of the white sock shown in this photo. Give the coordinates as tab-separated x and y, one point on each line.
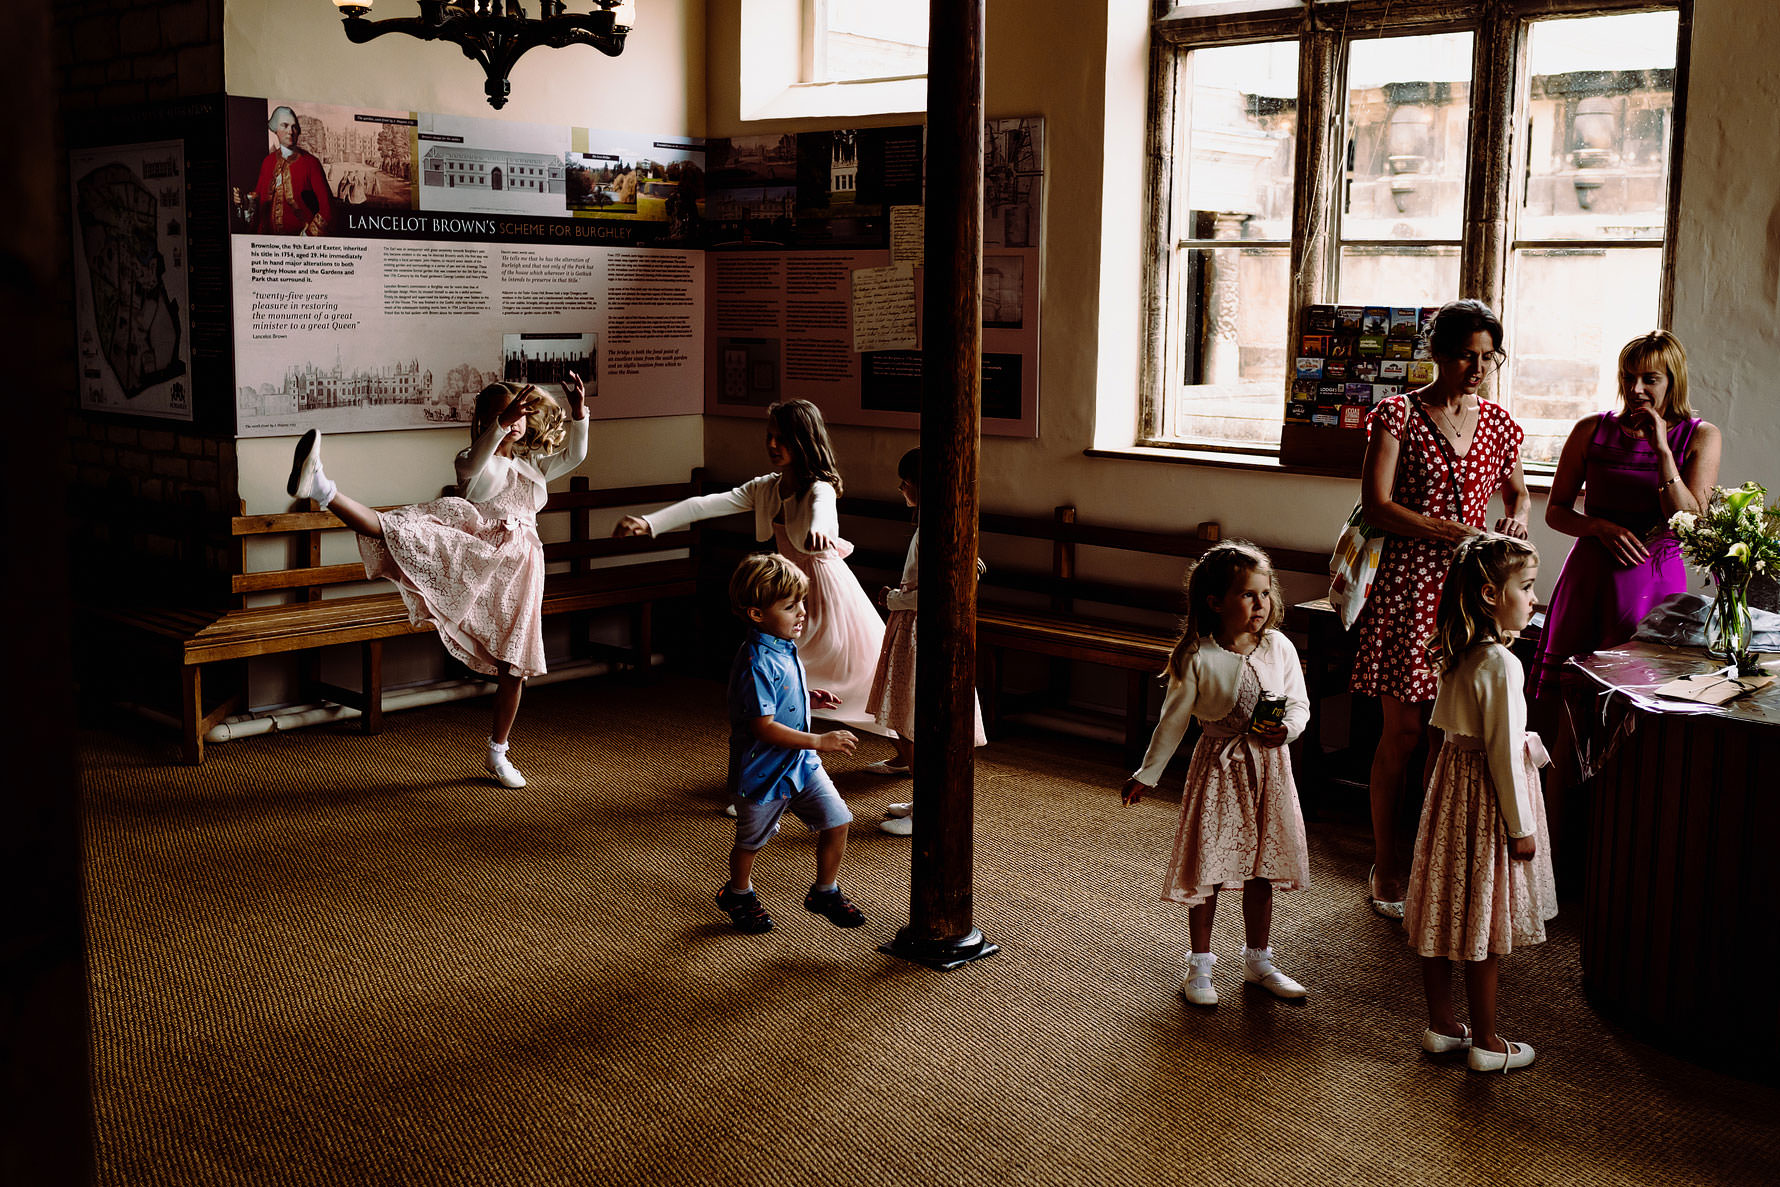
496	749
1199	966
325	490
1259	959
830	888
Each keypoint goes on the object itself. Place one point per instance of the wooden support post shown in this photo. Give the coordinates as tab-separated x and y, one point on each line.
1498	48
371	682
1062	598
191	713
941	933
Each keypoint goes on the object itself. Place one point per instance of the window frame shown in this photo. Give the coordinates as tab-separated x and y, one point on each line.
1496	158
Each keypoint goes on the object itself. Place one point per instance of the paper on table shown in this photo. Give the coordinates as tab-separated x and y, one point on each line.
884	308
1711	688
908	229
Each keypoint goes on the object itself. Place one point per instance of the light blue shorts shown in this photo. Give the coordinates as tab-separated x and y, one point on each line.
818	805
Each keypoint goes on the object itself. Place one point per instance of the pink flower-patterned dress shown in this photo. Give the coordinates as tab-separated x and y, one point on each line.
1397	620
1239	814
475	570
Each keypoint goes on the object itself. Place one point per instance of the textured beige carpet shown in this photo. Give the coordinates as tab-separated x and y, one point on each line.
323	958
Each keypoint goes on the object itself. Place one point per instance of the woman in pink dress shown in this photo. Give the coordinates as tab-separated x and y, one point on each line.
1435	458
474	566
794	506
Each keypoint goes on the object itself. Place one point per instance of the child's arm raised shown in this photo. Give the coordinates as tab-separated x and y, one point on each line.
775	733
689	511
1497	683
474	481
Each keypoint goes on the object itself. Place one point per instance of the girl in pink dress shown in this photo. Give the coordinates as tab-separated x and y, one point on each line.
794	506
474	566
892	699
1480	881
1240	825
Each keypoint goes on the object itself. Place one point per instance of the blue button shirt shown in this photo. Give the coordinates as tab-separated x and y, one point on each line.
767	680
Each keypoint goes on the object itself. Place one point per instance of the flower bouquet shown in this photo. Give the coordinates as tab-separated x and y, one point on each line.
1736	537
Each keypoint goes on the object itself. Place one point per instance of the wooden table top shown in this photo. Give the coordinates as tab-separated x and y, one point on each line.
1637	669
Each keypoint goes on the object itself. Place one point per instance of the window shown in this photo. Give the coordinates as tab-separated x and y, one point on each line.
861	40
1337	153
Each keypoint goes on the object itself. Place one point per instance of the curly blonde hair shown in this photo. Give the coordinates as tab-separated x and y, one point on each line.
546	426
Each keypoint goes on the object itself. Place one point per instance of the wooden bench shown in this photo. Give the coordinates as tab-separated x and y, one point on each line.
193	639
1048	623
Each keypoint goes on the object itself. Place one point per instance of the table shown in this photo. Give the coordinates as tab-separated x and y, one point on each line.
1681	907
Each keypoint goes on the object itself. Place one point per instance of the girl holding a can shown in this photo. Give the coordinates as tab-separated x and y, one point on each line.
1240	825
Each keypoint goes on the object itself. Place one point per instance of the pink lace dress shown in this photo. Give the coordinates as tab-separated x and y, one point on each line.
892	699
1239	814
475	570
842	633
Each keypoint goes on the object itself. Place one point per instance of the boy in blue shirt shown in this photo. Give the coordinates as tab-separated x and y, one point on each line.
772	755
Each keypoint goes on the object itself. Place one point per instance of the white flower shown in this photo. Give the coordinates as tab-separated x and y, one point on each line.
1683	521
1737	552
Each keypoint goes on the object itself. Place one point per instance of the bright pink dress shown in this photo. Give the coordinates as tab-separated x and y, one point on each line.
1398	619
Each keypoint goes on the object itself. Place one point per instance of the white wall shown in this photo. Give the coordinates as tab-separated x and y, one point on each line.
295	49
1085	73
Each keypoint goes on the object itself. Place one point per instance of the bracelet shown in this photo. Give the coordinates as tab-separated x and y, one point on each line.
1667	481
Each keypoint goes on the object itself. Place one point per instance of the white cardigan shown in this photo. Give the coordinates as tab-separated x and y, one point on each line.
1207	690
1481	698
481	472
812	511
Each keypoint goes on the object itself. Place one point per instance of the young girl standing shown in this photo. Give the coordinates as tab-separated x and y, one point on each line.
892	699
1240	825
1481	879
474	566
794	506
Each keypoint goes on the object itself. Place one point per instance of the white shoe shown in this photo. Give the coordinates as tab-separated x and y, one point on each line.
305	467
1382	907
730	810
1481	1059
1196	986
899	826
887	768
900	810
498	765
1435	1043
1257	969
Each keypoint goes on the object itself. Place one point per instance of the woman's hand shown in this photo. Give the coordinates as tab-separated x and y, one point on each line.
883	598
577	393
1509	526
1523	848
1133	791
1270	734
1647	424
1450	531
820	541
631	525
836	742
1623	543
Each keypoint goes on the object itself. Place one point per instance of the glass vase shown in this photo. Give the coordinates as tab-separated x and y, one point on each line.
1729	634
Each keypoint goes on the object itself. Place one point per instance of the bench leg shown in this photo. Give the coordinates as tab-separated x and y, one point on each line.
371	682
1137	714
642	637
991	690
191	714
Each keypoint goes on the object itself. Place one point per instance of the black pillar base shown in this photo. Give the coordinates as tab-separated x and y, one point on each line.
941	955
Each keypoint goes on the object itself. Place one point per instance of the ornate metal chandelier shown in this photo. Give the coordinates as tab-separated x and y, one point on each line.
497	32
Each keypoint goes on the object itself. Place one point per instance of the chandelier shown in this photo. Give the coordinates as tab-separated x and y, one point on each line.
497	32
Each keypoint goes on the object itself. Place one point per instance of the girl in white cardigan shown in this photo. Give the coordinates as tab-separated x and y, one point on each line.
1240	825
795	507
474	566
1481	881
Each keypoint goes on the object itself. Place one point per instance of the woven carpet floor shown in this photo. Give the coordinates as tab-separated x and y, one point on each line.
323	958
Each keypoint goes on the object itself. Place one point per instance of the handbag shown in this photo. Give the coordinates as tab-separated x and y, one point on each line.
1352	567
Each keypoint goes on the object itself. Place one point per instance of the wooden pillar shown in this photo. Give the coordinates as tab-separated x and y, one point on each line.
1496	51
941	932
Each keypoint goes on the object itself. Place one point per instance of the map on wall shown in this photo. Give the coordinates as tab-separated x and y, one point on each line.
132	311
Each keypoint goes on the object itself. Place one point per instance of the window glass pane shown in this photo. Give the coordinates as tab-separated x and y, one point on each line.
1571	311
1404	275
871	39
1600	111
1408	120
1242	126
1233	366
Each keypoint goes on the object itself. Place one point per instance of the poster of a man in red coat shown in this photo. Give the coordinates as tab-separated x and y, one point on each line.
291	196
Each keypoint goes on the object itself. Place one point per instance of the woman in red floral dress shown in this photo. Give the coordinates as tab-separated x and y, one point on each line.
1427	481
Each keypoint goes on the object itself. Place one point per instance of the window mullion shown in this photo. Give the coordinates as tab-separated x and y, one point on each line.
1496	65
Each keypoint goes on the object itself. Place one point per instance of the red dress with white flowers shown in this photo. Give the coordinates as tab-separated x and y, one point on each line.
1398	618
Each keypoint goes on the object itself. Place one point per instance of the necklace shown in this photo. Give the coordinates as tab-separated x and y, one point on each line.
1452	430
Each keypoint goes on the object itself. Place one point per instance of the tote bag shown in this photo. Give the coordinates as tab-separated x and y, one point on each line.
1353	566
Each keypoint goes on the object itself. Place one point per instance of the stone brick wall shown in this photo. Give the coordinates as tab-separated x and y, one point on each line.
147	498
